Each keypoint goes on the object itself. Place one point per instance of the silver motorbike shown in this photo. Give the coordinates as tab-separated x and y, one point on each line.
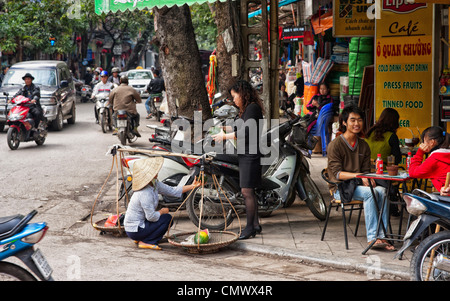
104	111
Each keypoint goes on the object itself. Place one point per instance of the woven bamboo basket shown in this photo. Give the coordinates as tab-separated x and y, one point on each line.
217	241
118	230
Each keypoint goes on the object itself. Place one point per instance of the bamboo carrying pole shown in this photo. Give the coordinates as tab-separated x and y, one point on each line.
159	153
438	228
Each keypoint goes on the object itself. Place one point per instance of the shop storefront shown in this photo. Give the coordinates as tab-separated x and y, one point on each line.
411	70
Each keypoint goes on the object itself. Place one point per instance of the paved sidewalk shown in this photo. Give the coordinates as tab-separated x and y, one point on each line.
295	232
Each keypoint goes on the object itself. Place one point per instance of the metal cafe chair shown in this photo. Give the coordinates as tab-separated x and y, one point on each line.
354	205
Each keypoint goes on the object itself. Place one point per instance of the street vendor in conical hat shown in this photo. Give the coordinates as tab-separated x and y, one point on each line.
143	222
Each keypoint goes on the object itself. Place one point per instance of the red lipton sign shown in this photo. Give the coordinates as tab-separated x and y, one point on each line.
401	6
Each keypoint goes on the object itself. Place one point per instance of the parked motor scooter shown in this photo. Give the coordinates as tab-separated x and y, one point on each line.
431	259
17	238
287	175
21	124
104	111
164	134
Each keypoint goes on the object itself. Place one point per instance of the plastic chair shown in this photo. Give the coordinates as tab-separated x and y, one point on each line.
350	206
321	127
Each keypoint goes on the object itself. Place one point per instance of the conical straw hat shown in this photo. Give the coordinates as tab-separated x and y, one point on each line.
145	170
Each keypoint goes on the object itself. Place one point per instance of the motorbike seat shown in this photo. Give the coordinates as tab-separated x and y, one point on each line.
444	199
234	159
7	223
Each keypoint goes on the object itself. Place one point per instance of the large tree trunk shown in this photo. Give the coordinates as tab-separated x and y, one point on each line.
180	61
228	43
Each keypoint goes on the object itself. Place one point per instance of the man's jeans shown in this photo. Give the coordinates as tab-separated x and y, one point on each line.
363	193
150	103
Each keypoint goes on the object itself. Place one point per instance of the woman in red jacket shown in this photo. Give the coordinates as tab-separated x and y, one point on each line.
436	142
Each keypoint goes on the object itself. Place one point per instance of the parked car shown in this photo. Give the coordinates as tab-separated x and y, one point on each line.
139	79
58	95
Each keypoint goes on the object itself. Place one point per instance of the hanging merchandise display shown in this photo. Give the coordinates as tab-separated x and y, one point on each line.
322	22
320	70
211	84
308	39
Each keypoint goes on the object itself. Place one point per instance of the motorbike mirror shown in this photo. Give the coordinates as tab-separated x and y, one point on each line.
64	84
6	93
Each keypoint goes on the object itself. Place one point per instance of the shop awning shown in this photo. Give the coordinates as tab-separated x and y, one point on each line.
105	6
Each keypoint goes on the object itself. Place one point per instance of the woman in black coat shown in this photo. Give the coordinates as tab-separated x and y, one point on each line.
251	111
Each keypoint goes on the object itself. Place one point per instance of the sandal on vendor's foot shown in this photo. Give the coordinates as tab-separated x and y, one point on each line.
148	246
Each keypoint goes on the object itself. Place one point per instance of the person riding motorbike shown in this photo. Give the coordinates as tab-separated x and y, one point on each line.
32	92
114	78
96	77
123	98
154	88
104	86
88	76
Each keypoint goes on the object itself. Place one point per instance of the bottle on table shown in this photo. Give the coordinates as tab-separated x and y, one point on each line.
408	161
379	165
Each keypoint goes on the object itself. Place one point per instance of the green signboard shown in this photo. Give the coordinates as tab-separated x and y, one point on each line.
105	6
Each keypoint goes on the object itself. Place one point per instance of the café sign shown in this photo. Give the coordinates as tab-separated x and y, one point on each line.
404	64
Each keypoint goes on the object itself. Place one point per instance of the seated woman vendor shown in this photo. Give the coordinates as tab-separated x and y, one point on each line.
143	223
316	103
435	141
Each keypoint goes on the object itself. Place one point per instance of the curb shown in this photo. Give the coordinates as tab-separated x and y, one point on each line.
339	263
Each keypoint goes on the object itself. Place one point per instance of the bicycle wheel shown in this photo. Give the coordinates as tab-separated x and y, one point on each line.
217	213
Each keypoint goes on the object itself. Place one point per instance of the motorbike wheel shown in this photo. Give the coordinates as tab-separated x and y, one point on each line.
122	138
420	262
13	138
314	198
103	122
40	140
213	215
10	271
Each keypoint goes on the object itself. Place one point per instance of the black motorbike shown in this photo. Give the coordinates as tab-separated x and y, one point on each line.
431	259
287	176
125	126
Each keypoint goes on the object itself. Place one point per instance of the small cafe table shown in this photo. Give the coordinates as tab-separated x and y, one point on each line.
401	178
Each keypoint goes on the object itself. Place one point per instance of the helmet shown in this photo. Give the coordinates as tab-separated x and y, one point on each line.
88	69
115	69
104	73
98	69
